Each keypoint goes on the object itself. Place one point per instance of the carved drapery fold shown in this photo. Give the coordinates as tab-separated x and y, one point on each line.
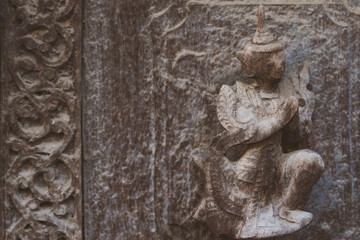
41	120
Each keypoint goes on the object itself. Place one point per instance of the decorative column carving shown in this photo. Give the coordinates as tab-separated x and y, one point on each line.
261	192
41	120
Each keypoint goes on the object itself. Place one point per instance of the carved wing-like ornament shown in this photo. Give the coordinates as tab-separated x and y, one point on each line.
232	115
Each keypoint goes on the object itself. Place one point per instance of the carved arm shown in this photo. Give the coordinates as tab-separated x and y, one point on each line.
269	125
242	126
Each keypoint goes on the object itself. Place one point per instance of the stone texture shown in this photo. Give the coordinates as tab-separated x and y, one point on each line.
151	73
153	70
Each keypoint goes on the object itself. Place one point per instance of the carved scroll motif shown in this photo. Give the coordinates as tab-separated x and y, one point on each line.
42	111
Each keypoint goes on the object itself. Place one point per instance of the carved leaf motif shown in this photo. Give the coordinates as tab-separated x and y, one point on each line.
43	179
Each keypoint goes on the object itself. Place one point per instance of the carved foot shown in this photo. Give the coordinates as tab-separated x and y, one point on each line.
266	224
296	216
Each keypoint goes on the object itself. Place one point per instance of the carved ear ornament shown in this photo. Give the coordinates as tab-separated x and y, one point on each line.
249	60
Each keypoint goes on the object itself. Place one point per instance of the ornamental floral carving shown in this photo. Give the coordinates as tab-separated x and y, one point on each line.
43	180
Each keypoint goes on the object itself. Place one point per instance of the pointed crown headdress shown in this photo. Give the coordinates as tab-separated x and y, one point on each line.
263	40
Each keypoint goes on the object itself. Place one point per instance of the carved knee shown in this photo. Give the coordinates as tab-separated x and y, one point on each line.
309	170
314	163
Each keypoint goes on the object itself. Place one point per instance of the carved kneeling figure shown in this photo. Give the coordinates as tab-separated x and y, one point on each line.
261	194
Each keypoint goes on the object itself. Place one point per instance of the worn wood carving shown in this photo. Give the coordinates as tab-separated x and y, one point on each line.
262	192
41	120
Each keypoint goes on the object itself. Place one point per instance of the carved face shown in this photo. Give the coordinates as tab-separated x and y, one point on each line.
272	67
265	67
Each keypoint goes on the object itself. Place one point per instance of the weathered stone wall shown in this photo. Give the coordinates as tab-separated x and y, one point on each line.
151	74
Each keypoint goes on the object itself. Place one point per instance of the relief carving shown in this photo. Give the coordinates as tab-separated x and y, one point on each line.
42	112
262	192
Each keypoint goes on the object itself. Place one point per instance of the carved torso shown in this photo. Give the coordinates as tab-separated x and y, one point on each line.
247	193
255	175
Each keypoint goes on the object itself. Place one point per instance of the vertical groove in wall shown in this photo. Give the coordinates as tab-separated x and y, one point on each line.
3	16
82	19
41	120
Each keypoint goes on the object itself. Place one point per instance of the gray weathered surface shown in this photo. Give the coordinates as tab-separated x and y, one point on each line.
151	74
152	71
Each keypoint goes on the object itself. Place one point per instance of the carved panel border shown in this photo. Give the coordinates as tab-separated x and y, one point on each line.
41	120
337	17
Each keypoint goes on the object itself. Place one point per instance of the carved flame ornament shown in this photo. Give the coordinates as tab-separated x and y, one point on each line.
261	193
42	114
